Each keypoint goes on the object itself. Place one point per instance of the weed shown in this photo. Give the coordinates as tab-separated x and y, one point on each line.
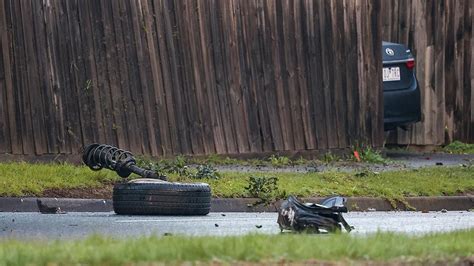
178	166
88	85
279	161
301	161
458	147
206	171
369	155
329	157
256	162
262	187
163	167
215	159
372	156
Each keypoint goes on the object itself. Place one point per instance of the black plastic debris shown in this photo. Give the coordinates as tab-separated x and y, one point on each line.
313	218
45	209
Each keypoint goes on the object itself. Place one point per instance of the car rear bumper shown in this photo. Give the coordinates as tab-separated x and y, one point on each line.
402	107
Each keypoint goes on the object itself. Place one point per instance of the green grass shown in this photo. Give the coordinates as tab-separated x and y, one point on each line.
391	185
380	247
458	147
367	155
22	179
370	155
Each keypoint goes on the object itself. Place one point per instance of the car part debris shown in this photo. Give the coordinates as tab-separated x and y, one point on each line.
158	197
151	194
311	217
98	156
45	209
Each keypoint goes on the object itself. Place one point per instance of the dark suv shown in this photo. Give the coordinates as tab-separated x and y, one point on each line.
401	93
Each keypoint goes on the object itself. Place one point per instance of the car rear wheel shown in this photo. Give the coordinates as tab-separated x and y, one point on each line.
157	197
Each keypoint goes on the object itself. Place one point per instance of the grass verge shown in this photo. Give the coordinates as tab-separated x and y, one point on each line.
22	179
458	147
391	184
379	247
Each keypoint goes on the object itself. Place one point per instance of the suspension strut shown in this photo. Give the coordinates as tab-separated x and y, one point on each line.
98	156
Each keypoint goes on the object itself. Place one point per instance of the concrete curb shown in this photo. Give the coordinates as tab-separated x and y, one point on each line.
451	203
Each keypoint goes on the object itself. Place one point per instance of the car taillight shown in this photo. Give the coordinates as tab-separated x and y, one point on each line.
410	64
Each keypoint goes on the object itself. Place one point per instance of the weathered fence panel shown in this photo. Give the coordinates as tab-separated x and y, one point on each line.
441	37
162	77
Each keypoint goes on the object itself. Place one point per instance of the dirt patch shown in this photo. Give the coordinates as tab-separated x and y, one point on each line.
103	192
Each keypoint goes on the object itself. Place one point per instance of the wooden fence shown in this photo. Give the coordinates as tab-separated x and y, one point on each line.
440	35
189	77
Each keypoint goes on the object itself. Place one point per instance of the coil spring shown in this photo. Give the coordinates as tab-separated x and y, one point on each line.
98	156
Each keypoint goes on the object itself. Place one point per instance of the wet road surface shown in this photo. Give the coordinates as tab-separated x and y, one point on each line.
78	225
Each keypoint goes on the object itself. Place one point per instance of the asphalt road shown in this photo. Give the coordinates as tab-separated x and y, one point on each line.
78	225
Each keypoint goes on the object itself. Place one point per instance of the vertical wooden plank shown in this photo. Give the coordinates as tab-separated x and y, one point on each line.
275	26
222	81
55	69
34	89
404	18
361	68
98	23
64	82
282	80
327	52
439	67
350	53
116	114
248	76
395	6
172	41
375	67
289	72
450	79
93	113
15	140
61	68
80	87
423	56
471	120
207	47
149	142
198	76
339	91
466	71
127	135
132	96
302	52
71	85
5	143
23	114
43	53
259	52
315	74
166	69
194	128
61	85
232	67
271	76
160	110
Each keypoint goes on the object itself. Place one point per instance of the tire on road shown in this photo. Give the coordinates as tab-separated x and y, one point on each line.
151	196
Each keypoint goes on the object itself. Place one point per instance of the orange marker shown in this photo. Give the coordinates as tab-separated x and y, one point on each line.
356	154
